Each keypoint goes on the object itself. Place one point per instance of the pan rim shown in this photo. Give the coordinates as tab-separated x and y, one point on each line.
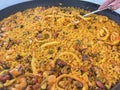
20	4
4	13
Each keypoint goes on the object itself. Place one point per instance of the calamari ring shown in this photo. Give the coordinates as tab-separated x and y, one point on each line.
114	38
71	54
102	31
33	62
85	86
33	65
49	44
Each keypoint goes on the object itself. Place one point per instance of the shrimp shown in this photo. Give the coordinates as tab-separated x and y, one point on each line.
16	71
48	82
21	84
29	87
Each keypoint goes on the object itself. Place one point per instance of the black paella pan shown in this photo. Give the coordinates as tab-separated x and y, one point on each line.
67	3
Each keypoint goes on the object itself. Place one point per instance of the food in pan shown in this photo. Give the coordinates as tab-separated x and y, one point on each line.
57	49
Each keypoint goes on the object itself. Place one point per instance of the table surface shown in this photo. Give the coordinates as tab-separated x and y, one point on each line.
6	3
